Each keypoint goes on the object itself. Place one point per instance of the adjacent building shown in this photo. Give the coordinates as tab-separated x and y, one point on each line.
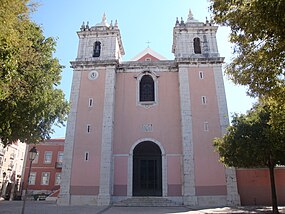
45	176
12	159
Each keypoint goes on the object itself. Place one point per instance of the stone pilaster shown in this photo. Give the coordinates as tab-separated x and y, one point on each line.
64	196
107	138
187	141
233	197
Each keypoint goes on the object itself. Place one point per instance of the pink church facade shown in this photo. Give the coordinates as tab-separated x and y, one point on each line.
144	127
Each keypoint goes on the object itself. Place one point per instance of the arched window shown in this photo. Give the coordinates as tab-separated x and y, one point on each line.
146	89
197	45
97	49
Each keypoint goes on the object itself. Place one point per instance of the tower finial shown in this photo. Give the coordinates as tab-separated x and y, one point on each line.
177	21
82	28
103	22
104	18
190	16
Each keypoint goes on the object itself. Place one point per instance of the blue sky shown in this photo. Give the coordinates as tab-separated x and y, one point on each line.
139	22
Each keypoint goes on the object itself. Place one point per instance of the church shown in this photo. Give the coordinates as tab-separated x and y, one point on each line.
144	128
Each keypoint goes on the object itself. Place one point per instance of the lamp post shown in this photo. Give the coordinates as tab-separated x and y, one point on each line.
32	155
3	179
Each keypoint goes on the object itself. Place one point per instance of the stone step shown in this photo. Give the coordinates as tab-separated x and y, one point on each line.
146	202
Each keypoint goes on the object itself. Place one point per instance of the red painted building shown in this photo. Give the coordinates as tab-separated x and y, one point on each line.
46	169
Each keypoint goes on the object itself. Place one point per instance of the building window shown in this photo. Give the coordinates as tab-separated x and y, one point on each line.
97	49
197	45
146	89
60	157
204	100
45	178
57	179
88	128
37	158
86	156
147	59
32	178
90	102
206	126
48	157
201	75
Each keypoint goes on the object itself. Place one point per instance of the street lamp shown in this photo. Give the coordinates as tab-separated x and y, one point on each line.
32	155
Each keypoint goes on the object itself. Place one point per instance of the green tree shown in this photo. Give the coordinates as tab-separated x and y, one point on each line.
30	102
258	34
252	141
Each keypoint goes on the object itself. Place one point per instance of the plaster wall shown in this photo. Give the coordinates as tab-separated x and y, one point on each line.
254	186
88	142
209	173
164	116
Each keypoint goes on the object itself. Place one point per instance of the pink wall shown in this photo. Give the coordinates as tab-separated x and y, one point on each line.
164	116
254	186
209	173
120	175
88	172
166	122
148	56
174	186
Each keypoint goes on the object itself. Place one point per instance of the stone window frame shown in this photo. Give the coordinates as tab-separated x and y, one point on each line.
60	156
206	126
45	175
88	128
204	100
57	178
46	160
201	75
86	156
155	81
97	49
197	45
90	102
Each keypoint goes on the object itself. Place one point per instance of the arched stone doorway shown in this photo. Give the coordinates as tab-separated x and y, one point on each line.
147	170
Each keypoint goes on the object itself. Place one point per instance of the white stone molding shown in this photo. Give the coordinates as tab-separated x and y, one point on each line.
105	189
64	196
130	166
233	197
155	77
187	138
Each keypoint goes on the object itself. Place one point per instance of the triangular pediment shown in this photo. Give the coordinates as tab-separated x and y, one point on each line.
148	55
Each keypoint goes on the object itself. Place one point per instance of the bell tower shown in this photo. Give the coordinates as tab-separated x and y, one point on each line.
100	42
194	39
90	125
202	95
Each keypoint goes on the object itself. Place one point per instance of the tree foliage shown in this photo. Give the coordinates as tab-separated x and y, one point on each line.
30	102
257	30
254	141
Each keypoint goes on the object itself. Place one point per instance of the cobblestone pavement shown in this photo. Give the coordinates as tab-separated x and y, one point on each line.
45	207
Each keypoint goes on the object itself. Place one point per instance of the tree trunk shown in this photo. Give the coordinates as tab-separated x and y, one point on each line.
273	189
